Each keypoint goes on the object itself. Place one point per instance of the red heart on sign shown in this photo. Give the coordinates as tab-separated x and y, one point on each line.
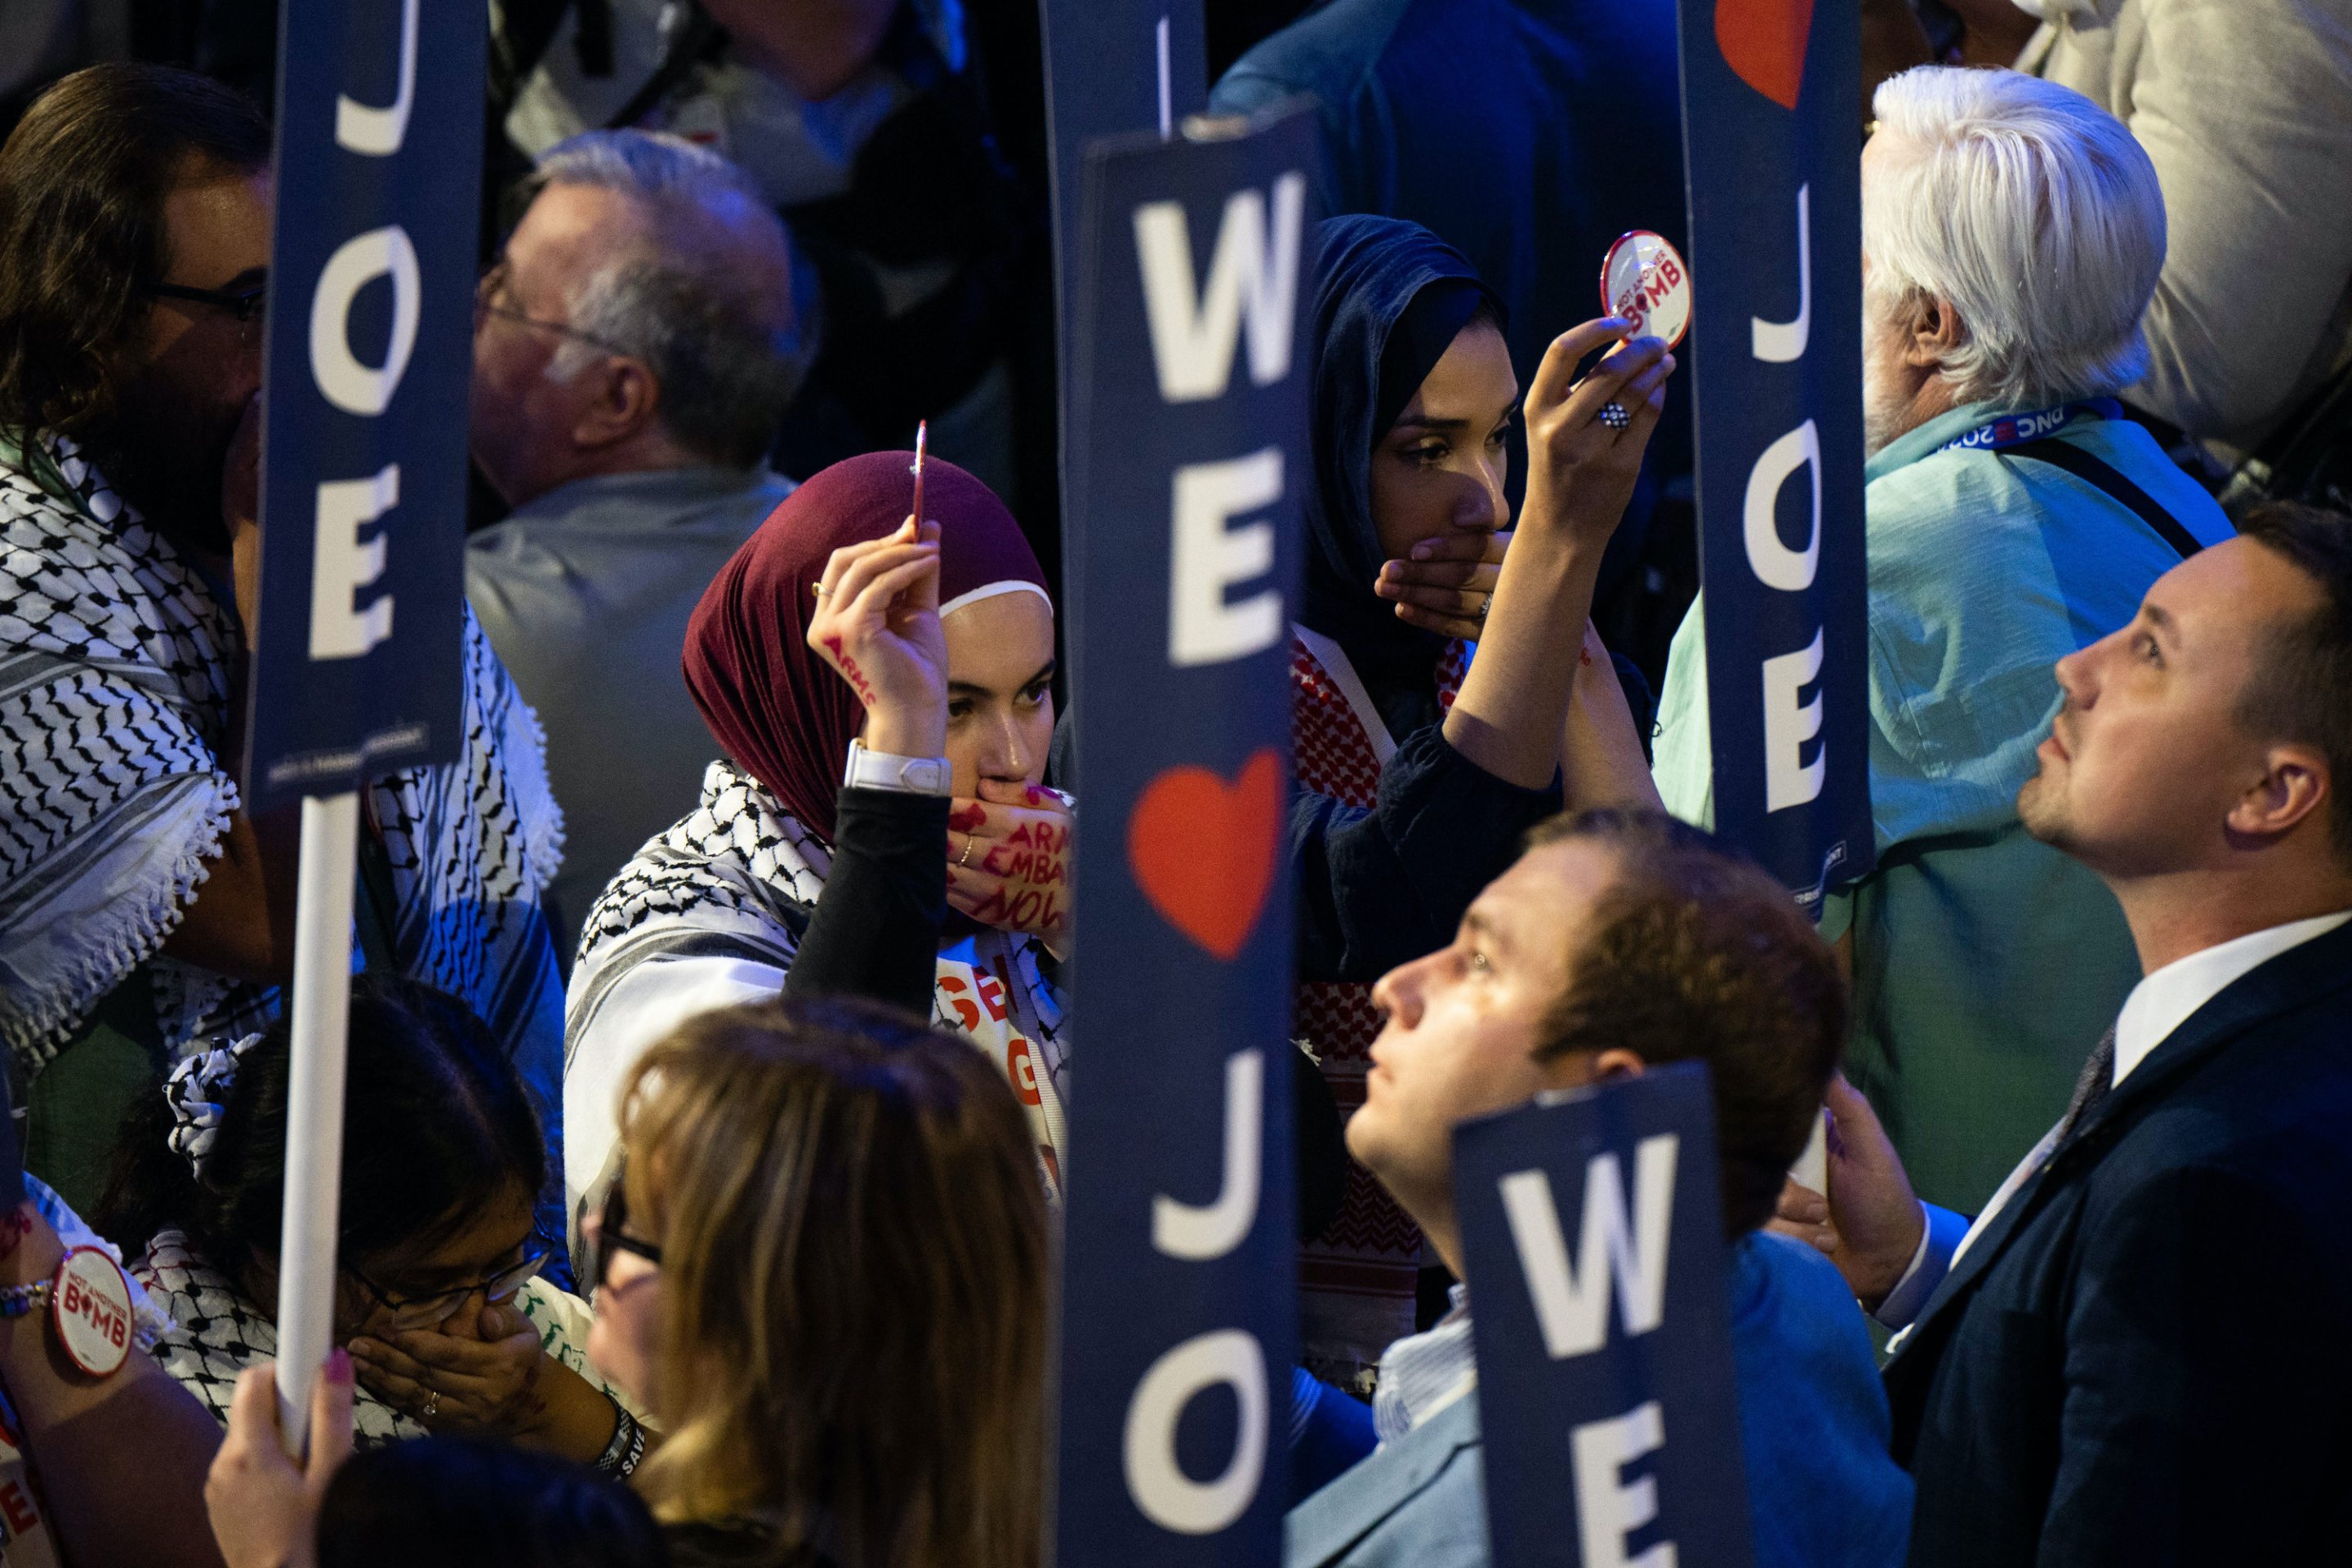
1204	851
1763	41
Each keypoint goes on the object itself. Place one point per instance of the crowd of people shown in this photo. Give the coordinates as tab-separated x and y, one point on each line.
708	1045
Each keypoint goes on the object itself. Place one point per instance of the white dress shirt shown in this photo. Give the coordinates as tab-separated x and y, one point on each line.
2156	1006
1423	1374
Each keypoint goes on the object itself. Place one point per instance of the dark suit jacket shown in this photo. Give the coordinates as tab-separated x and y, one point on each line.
2146	1357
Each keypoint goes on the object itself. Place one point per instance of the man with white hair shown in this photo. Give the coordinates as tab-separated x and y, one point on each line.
2012	233
635	347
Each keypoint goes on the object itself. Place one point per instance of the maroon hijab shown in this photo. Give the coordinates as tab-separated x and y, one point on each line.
777	710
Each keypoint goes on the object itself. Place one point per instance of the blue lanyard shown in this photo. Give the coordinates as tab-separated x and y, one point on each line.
2016	429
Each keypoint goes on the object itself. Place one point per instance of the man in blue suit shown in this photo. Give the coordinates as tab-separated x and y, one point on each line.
1621	940
2138	1354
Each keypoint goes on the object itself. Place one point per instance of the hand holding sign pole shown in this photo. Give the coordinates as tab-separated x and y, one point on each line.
358	635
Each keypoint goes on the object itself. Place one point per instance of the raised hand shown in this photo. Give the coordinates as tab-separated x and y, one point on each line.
1009	860
1445	583
1581	468
876	622
1869	1222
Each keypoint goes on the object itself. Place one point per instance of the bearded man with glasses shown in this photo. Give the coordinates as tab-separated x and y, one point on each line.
140	908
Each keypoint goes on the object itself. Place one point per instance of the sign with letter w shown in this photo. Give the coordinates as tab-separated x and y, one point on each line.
1604	1350
1179	1325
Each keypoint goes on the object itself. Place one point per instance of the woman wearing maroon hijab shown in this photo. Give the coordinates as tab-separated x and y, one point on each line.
841	626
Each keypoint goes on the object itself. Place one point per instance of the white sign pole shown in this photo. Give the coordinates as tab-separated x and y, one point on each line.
314	1107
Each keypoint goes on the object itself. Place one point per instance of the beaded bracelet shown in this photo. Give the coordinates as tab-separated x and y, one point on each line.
18	1300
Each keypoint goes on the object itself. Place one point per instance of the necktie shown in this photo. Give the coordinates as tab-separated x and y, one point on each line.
2098	1077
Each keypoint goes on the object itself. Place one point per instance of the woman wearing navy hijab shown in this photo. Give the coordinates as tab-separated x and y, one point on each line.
1420	768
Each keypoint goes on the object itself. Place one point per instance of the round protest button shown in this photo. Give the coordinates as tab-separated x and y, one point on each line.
1643	278
90	1305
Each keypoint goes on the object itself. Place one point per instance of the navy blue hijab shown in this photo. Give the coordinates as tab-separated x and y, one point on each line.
1390	298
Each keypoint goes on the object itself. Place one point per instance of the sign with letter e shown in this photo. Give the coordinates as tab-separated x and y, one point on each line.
1592	1232
1768	95
1187	451
357	667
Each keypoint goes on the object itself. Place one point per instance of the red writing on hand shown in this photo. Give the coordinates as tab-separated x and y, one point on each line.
1023	877
850	672
1029	910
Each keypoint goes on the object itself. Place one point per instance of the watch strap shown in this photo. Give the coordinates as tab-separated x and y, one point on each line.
889	771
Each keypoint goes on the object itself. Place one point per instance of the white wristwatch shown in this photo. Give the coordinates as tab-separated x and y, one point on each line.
908	776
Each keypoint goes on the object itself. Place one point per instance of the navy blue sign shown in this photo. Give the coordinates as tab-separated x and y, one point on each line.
1594	1228
1769	94
1112	67
1187	454
370	349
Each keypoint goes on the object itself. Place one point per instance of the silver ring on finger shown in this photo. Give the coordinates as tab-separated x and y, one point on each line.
432	1403
819	589
965	858
1613	414
1485	605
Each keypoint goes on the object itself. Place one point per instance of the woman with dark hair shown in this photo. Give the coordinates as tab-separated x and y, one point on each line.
452	1502
824	1267
438	1301
1420	767
460	1502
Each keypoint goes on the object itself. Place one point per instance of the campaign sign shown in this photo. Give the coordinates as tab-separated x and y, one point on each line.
1593	1229
1187	454
1112	67
356	669
1768	95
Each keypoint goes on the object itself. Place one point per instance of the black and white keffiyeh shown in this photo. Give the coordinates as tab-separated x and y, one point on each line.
197	1091
739	877
215	1332
116	663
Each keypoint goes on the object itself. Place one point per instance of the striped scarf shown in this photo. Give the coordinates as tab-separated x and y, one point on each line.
117	660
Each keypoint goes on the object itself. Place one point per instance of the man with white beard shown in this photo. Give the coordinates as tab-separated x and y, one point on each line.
2012	233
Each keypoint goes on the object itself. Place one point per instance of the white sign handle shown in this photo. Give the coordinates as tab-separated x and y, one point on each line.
314	1109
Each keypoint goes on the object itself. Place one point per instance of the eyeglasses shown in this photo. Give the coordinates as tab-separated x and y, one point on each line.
406	1311
611	1233
242	304
494	283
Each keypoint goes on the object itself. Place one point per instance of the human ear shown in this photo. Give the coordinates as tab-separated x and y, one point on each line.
2295	785
627	395
1617	1062
1932	330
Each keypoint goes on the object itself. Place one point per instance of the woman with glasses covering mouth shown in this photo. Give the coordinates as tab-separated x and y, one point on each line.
439	1299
